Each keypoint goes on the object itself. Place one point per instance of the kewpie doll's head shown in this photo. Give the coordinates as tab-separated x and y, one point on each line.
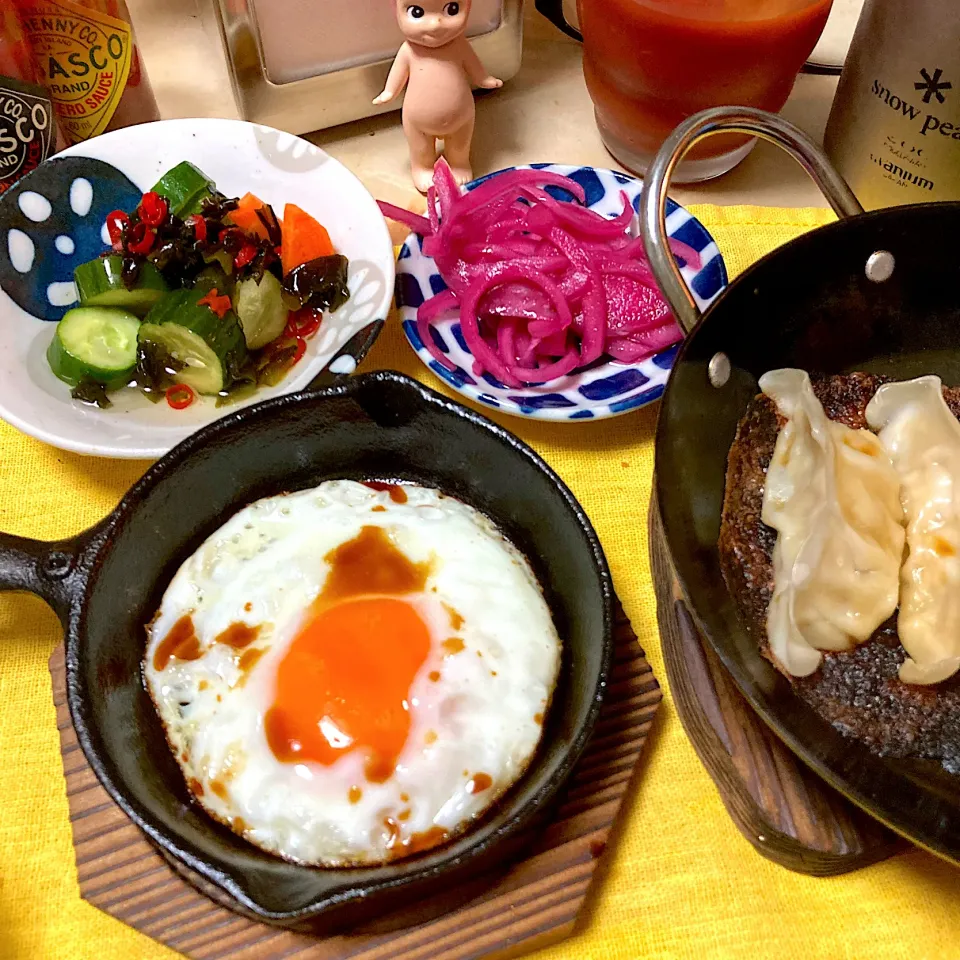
432	23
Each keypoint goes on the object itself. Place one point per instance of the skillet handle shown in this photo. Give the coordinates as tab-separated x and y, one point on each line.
50	570
653	199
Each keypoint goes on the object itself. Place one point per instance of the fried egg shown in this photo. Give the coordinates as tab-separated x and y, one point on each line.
354	673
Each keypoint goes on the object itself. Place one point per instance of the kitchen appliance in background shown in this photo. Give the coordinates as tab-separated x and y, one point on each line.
303	65
894	130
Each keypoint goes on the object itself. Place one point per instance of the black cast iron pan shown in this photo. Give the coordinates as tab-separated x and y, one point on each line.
106	584
878	292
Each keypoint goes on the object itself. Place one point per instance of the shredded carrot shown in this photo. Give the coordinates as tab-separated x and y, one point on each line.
218	304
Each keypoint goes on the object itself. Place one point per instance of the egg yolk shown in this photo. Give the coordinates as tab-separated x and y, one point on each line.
344	684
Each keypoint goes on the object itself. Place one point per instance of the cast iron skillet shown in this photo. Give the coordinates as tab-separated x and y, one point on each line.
106	584
828	303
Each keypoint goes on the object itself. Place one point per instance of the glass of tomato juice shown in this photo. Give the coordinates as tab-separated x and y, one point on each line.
650	64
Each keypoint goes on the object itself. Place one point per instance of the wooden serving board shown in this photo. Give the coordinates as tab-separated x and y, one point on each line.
532	904
781	806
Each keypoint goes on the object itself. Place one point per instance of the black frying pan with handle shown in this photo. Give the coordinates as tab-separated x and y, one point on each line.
106	584
878	292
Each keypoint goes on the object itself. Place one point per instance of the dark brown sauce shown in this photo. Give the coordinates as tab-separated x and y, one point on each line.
378	769
371	564
456	620
480	782
425	840
218	789
452	646
181	643
393	832
354	794
249	659
416	843
238	635
196	787
397	493
943	548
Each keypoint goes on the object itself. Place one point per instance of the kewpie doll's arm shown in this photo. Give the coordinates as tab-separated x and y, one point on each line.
476	71
398	76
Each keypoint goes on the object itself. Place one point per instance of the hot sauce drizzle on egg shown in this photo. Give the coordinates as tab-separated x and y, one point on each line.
344	683
181	643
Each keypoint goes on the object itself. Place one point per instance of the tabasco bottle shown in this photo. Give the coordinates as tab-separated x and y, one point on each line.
27	122
87	58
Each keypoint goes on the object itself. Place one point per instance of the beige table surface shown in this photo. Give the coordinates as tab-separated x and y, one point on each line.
543	114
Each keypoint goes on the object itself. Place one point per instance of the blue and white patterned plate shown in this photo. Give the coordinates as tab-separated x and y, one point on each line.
604	389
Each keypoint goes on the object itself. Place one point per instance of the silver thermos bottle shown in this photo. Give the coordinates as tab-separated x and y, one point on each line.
894	130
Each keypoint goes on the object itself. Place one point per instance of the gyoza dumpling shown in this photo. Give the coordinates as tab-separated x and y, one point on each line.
832	495
922	437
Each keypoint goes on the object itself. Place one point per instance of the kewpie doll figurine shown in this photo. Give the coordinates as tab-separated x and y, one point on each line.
438	66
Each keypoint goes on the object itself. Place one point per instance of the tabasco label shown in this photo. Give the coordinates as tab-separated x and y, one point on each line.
27	129
84	57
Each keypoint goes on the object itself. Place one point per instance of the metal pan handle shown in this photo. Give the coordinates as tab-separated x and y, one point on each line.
50	570
653	199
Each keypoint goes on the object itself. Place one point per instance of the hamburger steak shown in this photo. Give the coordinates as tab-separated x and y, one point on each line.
857	691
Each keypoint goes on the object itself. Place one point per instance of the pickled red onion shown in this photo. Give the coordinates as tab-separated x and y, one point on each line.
543	286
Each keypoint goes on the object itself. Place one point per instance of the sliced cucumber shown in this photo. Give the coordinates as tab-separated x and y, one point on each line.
213	278
100	284
261	309
208	347
221	257
185	188
95	343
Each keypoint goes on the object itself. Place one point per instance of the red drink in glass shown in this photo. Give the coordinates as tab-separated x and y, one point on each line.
650	64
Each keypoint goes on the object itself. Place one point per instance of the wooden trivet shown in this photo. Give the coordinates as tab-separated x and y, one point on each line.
781	806
531	905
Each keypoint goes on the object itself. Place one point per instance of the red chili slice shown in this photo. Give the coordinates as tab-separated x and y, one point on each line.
153	209
116	221
179	396
244	255
304	322
219	304
140	238
300	351
199	227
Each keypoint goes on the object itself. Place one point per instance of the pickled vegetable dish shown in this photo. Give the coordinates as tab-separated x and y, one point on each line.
198	294
543	286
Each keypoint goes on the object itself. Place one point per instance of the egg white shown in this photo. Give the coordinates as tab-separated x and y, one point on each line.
484	714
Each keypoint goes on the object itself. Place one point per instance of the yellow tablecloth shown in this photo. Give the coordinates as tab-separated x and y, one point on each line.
679	880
